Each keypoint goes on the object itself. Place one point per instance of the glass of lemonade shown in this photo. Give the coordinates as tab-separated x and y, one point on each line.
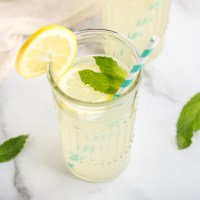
137	19
96	130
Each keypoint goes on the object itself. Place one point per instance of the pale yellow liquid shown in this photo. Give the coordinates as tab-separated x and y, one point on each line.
139	20
96	143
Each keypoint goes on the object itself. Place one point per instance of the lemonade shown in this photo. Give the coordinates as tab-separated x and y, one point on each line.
137	19
96	129
97	141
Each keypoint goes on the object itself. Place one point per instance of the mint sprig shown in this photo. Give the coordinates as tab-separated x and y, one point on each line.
99	81
188	122
108	80
12	147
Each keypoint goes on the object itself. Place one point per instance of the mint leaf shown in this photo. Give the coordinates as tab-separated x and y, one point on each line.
110	78
12	147
109	67
99	81
188	122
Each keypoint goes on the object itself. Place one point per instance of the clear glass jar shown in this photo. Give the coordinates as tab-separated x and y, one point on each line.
97	137
139	20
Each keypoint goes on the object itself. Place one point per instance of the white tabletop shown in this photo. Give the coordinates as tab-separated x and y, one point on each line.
157	169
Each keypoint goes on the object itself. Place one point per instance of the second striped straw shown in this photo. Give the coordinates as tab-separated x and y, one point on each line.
137	67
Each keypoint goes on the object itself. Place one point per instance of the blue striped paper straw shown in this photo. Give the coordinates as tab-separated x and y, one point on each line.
137	67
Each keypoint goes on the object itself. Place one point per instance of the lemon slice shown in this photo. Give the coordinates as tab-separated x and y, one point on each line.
52	44
72	85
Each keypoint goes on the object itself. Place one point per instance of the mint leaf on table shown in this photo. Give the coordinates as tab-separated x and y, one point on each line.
99	81
110	67
12	147
188	122
108	80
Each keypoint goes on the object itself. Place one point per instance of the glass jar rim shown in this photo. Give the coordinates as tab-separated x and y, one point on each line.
108	33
